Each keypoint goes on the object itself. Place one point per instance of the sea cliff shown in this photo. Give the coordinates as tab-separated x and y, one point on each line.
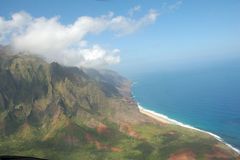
57	112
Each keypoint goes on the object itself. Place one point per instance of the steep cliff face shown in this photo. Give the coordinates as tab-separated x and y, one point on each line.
33	92
58	112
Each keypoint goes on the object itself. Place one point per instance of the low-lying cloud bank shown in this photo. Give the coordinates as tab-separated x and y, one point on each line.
66	44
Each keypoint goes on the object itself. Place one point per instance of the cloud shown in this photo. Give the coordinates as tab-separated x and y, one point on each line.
14	26
134	10
167	8
94	56
175	6
125	25
97	56
66	44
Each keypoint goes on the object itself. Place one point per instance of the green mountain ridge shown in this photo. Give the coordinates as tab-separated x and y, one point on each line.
56	112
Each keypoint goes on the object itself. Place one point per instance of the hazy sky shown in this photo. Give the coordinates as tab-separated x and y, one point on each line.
129	35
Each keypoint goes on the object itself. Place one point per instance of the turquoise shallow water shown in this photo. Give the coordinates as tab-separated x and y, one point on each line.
208	98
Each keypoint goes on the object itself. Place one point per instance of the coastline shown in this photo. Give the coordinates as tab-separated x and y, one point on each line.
165	119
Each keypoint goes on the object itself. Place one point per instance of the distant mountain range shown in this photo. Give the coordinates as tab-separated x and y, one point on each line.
56	112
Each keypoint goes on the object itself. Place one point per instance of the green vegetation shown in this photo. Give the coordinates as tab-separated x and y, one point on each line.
56	112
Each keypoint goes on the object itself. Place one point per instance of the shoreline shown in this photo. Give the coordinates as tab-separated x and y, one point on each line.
165	119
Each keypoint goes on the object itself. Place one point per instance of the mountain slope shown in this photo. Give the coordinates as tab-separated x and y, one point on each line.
58	112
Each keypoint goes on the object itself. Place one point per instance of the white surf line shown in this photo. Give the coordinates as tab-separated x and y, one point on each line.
172	121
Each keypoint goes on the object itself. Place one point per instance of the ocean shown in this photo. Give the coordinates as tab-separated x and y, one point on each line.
206	98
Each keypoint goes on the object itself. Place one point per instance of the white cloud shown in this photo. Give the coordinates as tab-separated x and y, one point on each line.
89	57
16	25
167	8
100	57
134	10
175	6
125	25
65	43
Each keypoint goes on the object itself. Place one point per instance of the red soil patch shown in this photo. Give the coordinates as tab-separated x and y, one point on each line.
183	155
99	145
90	139
102	129
128	129
116	149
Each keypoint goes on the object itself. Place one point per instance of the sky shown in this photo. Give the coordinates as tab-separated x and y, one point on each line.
125	35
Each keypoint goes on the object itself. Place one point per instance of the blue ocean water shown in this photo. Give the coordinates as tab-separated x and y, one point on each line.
207	98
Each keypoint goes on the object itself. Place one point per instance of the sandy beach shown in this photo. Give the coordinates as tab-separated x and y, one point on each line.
151	114
166	120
